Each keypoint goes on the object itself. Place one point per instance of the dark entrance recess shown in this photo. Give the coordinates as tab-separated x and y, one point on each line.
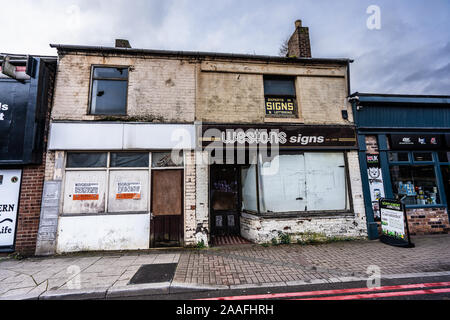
154	273
225	200
166	227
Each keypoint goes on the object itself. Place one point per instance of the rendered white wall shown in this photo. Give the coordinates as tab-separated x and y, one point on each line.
103	233
120	136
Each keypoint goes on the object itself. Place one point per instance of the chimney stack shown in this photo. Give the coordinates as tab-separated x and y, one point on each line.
122	43
299	45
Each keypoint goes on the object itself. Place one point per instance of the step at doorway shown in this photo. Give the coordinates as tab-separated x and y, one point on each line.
221	241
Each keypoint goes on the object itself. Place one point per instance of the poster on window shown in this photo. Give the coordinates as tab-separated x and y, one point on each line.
394	224
10	181
280	106
376	184
128	191
86	191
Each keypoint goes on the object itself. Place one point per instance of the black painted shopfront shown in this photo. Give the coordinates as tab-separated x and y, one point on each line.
276	171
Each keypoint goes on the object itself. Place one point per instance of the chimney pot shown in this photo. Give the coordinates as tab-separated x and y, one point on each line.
122	43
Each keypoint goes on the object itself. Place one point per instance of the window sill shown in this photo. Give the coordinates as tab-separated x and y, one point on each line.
304	215
283	120
79	215
424	206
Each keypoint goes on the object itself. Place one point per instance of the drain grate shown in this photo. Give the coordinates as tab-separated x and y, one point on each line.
154	273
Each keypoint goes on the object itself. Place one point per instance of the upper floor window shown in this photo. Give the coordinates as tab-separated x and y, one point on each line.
109	90
280	97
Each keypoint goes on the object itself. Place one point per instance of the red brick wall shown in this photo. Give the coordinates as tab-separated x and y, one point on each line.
29	208
428	221
31	190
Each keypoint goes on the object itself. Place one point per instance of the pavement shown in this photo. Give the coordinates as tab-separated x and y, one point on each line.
107	275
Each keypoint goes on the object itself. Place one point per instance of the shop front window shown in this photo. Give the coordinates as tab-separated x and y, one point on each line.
111	182
444	156
301	182
398	156
417	185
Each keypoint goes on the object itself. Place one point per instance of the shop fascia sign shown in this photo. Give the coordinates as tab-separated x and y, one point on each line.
284	136
3	109
417	141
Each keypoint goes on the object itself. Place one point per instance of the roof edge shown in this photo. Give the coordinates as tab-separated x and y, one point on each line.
75	48
401	98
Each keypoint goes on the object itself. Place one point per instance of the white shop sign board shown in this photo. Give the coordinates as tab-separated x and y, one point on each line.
10	181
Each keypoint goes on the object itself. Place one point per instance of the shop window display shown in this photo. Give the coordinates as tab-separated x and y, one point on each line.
416	184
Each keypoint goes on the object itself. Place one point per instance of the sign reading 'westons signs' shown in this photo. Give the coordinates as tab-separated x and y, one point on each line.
296	137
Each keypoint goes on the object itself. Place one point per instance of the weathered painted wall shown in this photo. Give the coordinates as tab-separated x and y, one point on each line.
234	93
103	233
160	90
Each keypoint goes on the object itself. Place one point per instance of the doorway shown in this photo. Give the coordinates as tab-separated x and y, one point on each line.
225	201
166	227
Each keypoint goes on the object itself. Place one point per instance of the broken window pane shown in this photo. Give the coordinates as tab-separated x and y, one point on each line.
109	97
115	73
166	160
109	91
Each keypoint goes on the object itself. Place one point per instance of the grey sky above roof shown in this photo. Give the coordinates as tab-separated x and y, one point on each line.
409	54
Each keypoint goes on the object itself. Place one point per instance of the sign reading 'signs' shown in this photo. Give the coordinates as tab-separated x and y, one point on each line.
10	181
283	136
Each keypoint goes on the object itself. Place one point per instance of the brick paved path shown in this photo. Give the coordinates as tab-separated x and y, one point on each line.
255	264
245	265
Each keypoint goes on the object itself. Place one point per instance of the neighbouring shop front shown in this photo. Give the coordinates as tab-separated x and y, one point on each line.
121	186
25	95
405	155
267	180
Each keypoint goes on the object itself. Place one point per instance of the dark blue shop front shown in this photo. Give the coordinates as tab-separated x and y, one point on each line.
405	154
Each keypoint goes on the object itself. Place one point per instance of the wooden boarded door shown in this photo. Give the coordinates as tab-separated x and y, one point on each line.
166	228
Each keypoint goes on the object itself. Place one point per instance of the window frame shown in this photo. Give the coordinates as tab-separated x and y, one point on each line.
107	171
348	212
436	163
91	88
296	115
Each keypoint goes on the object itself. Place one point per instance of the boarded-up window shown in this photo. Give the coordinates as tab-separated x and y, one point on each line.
84	192
298	183
128	191
167	192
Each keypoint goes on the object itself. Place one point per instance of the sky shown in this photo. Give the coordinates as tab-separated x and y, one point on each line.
399	46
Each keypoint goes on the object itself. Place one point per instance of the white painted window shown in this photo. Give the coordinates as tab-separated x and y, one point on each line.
301	182
249	196
110	182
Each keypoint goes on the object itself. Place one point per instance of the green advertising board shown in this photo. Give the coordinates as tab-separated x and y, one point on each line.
394	224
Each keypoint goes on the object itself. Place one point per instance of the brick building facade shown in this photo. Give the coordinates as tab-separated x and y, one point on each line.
404	155
27	117
119	112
